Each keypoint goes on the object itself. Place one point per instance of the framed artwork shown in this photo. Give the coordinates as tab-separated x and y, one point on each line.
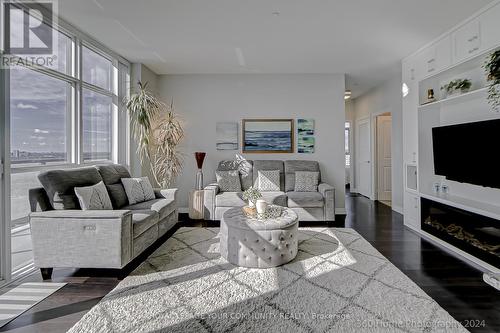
268	135
305	133
305	144
227	135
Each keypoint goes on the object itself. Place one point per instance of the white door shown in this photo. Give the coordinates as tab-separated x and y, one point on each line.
384	158
363	161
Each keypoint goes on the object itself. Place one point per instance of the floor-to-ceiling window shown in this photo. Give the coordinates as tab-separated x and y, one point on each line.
62	115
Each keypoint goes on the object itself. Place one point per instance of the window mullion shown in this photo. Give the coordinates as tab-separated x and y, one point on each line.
78	119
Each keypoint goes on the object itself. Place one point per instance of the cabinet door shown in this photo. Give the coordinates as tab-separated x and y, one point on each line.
490	28
411	210
467	40
434	58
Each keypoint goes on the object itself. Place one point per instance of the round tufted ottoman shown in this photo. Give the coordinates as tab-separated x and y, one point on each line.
257	243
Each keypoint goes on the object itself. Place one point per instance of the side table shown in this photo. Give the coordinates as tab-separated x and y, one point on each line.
196	205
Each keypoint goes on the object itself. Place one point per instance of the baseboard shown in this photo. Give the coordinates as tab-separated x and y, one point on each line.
398	209
340	211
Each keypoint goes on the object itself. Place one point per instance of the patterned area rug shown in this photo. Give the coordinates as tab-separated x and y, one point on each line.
337	283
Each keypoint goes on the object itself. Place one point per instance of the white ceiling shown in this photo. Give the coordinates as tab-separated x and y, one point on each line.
363	38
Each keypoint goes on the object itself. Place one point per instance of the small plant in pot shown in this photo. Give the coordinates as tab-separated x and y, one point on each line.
457	86
252	195
492	67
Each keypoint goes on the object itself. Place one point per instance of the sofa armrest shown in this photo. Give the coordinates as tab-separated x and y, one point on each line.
324	187
169	193
211	192
86	239
328	193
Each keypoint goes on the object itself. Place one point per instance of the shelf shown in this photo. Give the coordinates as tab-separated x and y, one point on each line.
457	99
478	207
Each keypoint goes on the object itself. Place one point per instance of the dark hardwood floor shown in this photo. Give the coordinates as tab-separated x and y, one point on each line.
454	284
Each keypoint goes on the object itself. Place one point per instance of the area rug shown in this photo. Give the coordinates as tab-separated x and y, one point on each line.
337	283
21	298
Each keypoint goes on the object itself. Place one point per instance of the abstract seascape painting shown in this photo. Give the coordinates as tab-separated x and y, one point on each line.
305	140
268	135
227	135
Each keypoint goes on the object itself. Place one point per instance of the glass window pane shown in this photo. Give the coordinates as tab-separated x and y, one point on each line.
97	126
96	69
39	106
60	58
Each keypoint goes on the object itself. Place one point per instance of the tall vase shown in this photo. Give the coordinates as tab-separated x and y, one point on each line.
200	157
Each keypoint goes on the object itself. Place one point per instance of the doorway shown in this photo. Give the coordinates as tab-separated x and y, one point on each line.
363	158
383	158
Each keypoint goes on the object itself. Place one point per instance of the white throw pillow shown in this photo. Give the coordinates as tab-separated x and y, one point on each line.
228	181
138	190
94	197
306	181
269	180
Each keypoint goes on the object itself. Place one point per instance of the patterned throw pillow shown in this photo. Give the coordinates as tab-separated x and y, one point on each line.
94	197
269	180
138	190
306	181
229	181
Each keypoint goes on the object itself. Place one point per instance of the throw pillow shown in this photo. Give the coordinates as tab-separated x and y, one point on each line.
269	180
138	190
229	181
94	197
306	181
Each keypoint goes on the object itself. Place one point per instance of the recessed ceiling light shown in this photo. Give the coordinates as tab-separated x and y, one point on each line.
347	94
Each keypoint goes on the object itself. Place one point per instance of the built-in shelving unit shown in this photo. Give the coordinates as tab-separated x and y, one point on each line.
459	98
458	54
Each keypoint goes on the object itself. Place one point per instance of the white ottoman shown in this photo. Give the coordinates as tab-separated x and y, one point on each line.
257	243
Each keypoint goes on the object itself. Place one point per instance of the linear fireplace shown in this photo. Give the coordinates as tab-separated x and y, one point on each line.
472	233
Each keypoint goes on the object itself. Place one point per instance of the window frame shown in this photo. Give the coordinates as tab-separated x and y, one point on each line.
118	91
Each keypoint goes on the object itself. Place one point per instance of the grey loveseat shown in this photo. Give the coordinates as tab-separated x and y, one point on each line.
63	235
309	206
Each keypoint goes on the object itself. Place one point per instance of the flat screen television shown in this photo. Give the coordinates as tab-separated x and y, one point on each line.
468	153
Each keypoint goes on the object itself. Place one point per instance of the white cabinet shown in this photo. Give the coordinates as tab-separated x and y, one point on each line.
434	58
490	28
412	210
467	41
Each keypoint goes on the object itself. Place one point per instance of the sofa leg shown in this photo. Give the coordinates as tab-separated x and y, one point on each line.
46	273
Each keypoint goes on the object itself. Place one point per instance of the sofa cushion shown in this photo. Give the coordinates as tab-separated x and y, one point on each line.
306	181
163	207
94	197
235	199
142	220
305	199
228	181
244	168
60	185
117	195
297	165
111	175
138	189
269	180
268	165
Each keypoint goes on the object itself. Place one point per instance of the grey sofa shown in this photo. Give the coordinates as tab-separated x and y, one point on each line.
309	206
63	235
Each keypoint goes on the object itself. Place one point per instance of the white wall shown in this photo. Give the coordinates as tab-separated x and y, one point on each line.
385	98
203	100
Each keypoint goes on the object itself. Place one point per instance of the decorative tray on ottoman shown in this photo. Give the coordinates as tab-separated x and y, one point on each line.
272	211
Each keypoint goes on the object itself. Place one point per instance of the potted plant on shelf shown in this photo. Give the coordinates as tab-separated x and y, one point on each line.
492	67
157	132
457	86
252	195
